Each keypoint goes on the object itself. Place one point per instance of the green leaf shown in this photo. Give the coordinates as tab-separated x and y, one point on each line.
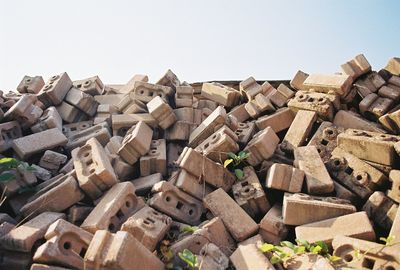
243	155
387	240
304	243
299	249
333	258
357	253
275	259
239	174
232	155
316	249
323	245
288	244
267	247
9	163
189	229
188	257
30	169
26	189
171	266
7	176
227	162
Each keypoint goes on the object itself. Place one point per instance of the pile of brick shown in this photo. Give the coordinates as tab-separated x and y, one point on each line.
121	174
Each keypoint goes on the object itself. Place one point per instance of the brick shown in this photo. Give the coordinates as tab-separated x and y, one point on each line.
112	99
100	131
144	184
175	203
93	168
284	177
394	191
206	169
236	220
119	251
145	92
129	86
161	112
240	113
390	91
356	175
220	93
261	146
155	161
373	106
55	89
369	146
298	131
344	193
15	260
38	142
82	101
92	86
41	173
129	105
56	197
278	121
74	128
395	229
70	114
250	88
49	119
317	177
39	266
204	103
78	213
8	133
280	97
148	226
355	225
338	84
104	112
259	105
30	85
393	66
191	184
299	209
298	80
66	245
323	104
381	210
121	123
52	160
369	84
356	67
24	111
272	228
391	121
245	133
308	261
113	209
169	79
136	143
23	237
212	258
249	257
184	96
349	119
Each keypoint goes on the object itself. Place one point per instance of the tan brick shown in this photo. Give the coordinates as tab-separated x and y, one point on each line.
259	105
349	119
285	177
261	146
74	128
145	92
356	67
161	112
175	203
39	266
204	168
120	251
240	113
23	237
393	66
272	228
82	101
391	121
113	99
136	143
204	103
245	133
148	226
278	121
78	213
155	161
52	160
190	184
24	111
113	209
318	180
381	210
299	209
280	97
369	84
93	168
49	119
344	193
374	106
30	85
212	258
184	96
298	80
169	79
394	191
121	123
249	257
299	130
236	220
70	114
100	131
129	86
355	225
390	91
221	94
54	91
395	229
250	88
308	261
66	245
8	133
338	84
38	142
129	105
144	184
92	86
376	147
104	112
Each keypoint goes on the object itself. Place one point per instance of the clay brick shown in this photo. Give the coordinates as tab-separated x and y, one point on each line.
114	208
206	169
390	91
261	146
249	257
169	79
92	86
39	266
70	114
129	86
175	203
121	123
249	194
112	99
338	84
155	161
278	121
191	184
184	96
298	131
369	84
204	103
82	101
162	112
38	142
24	111
349	119
78	213
356	175
393	66
144	184
298	80
30	85
212	258
373	106
56	197
355	225
280	97
221	94
136	143
259	105
344	193
376	147
250	88
52	160
323	104
395	229
104	112
245	133
236	220
394	191
15	260
148	226
308	261
129	104
356	67
74	128
55	89
299	209
145	92
23	237
41	173
240	113
381	210
100	132
272	228
66	245
218	144
374	255
49	119
284	177
120	251
8	133
93	168
391	121
5	227
317	177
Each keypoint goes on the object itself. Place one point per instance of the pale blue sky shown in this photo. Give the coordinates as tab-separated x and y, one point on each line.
202	40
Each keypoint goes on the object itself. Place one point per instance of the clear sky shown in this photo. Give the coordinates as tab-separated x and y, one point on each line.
198	40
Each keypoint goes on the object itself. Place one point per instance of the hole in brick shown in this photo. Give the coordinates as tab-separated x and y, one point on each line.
247	190
348	170
159	95
67	245
79	85
128	204
389	268
120	215
111	227
150	93
191	212
319	150
348	257
359	177
86	154
336	162
73	128
168	198
244	183
324	142
142	92
368	263
206	145
82	253
179	205
155	213
311	99
92	170
320	99
150	220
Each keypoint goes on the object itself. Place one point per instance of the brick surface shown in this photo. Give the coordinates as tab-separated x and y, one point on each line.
261	146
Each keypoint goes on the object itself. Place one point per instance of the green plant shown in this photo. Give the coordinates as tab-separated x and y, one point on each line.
189	229
189	258
9	164
235	161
